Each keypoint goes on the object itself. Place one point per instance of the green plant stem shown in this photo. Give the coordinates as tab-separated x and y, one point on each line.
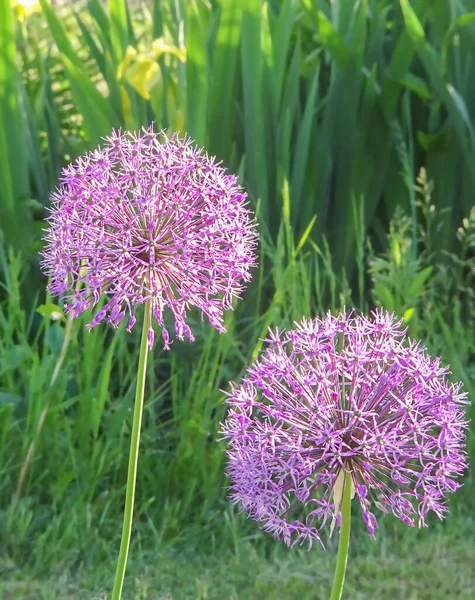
44	412
133	459
341	560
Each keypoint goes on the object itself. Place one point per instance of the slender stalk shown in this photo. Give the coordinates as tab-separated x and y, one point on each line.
59	363
44	412
133	459
341	560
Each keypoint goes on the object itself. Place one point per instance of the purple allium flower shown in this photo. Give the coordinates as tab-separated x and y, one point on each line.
149	218
343	395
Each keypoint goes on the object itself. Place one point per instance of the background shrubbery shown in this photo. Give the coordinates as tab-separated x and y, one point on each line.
351	125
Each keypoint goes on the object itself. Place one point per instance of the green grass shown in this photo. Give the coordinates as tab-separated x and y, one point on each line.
431	564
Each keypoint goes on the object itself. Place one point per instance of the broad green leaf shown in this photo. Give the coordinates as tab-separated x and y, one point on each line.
14	184
414	27
305	236
7	195
63	482
222	78
60	36
459	23
417	284
9	399
196	75
54	338
254	113
301	153
99	118
118	27
100	16
462	21
399	65
289	112
49	119
15	223
384	296
416	85
157	18
454	104
51	311
280	35
333	41
433	141
36	163
102	389
96	52
15	357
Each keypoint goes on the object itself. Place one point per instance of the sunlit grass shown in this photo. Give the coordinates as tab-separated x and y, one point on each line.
434	564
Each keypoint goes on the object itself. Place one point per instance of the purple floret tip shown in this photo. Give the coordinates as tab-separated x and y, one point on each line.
150	337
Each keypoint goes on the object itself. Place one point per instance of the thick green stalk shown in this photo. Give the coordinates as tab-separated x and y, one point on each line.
339	578
133	459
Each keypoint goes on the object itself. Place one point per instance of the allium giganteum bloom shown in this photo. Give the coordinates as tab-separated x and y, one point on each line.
149	218
343	395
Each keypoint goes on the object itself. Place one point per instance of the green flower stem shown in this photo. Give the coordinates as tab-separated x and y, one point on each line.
133	459
341	560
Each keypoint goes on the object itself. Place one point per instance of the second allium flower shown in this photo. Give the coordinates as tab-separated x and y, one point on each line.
146	218
343	396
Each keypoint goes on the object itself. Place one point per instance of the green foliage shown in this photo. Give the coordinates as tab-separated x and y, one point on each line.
311	93
80	458
327	110
14	130
394	566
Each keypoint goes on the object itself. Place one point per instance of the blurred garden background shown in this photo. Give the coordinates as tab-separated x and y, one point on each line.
351	124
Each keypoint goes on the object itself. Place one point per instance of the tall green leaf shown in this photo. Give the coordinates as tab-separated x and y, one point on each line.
222	79
99	117
254	111
13	155
59	35
118	27
196	74
97	112
14	185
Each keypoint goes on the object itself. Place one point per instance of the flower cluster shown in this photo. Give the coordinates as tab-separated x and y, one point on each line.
341	396
147	218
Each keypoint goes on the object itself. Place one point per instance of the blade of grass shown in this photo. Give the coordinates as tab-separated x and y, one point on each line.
254	117
119	29
223	79
60	36
35	163
99	117
196	75
301	152
15	221
14	153
451	98
280	35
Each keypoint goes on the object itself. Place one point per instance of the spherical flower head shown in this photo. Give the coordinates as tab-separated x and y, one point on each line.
147	218
340	398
